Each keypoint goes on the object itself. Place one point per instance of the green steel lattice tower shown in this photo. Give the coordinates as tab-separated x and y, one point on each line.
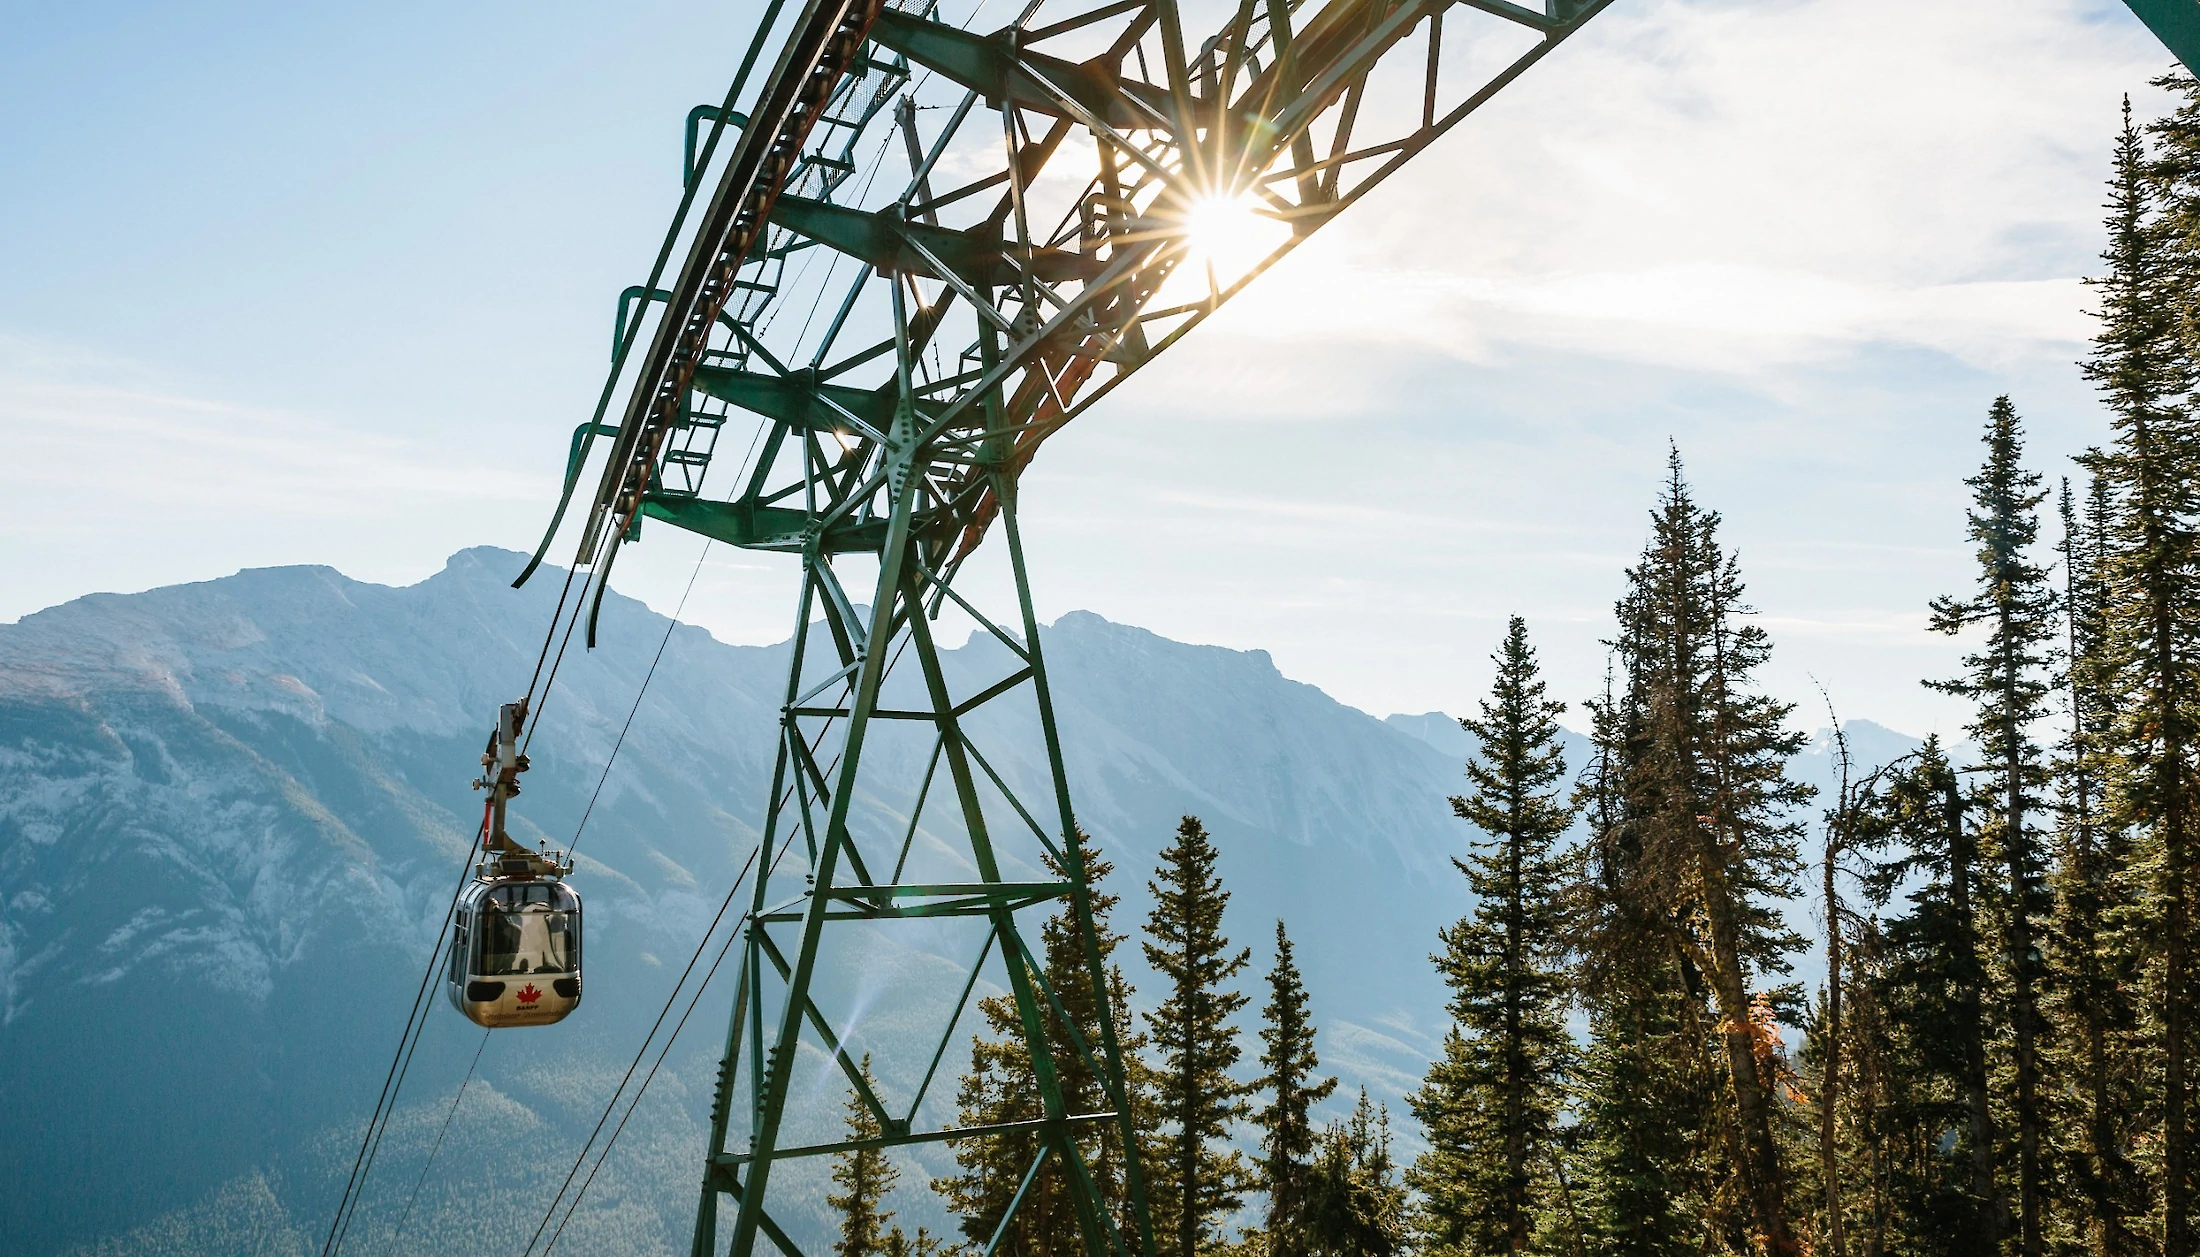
914	249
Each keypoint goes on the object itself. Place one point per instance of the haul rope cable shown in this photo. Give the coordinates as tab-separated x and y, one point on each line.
701	945
582	1156
664	257
578	830
731	891
374	1153
392	1079
355	1184
619	358
409	1042
605	536
371	1145
647	1078
639	694
784	846
599	574
399	1231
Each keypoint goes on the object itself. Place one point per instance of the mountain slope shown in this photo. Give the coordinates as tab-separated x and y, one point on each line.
230	813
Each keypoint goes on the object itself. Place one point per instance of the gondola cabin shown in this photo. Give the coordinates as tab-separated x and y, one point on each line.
516	947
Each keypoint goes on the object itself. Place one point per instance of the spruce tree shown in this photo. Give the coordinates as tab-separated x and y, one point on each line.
2007	681
2093	965
1648	1147
1490	1104
1826	1045
1285	1121
1928	986
1355	1205
901	1244
997	1089
1198	1178
2142	362
864	1177
1868	1157
1710	807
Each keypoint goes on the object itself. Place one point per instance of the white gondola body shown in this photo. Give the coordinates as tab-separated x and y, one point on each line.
516	951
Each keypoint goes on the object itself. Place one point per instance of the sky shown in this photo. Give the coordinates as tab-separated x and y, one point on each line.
332	283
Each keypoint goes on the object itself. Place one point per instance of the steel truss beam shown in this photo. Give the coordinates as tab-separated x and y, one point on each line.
929	248
2176	23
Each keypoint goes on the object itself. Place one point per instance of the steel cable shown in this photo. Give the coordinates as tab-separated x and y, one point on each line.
647	1078
437	1147
647	1039
375	1152
701	945
658	658
535	708
538	690
392	1081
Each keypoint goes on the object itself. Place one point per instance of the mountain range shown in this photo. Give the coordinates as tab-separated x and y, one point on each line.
230	812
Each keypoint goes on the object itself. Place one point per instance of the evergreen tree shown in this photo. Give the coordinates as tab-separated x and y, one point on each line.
1286	1124
1826	1064
1490	1104
2093	965
1654	1145
900	1244
1355	1206
1709	810
864	1177
998	1089
2007	680
2142	363
1867	1160
1927	985
1198	1179
1650	1139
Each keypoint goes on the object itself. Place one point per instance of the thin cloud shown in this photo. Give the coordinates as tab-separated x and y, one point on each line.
1739	188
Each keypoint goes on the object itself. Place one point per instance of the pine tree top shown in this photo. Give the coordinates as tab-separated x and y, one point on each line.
2007	678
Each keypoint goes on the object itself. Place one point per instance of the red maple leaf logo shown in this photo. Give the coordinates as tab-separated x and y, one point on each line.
528	994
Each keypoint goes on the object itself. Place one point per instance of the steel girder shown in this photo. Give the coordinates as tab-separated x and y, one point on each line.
2176	23
929	247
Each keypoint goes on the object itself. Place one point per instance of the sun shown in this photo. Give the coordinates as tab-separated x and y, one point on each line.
1231	236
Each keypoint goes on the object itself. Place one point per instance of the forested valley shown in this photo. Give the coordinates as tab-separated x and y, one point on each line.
2001	1057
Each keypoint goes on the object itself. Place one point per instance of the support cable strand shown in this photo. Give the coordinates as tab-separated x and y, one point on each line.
639	1053
666	1050
374	1153
658	658
564	591
387	1100
534	717
701	945
437	1147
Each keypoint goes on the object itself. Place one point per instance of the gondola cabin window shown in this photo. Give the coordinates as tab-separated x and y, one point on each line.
527	936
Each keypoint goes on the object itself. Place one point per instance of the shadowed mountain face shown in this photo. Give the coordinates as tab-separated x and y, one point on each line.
231	814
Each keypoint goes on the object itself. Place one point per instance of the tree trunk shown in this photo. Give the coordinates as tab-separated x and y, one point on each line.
1752	1097
2166	697
2025	1011
2103	1185
1516	1082
2178	1238
1974	1028
1187	1157
1829	1087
